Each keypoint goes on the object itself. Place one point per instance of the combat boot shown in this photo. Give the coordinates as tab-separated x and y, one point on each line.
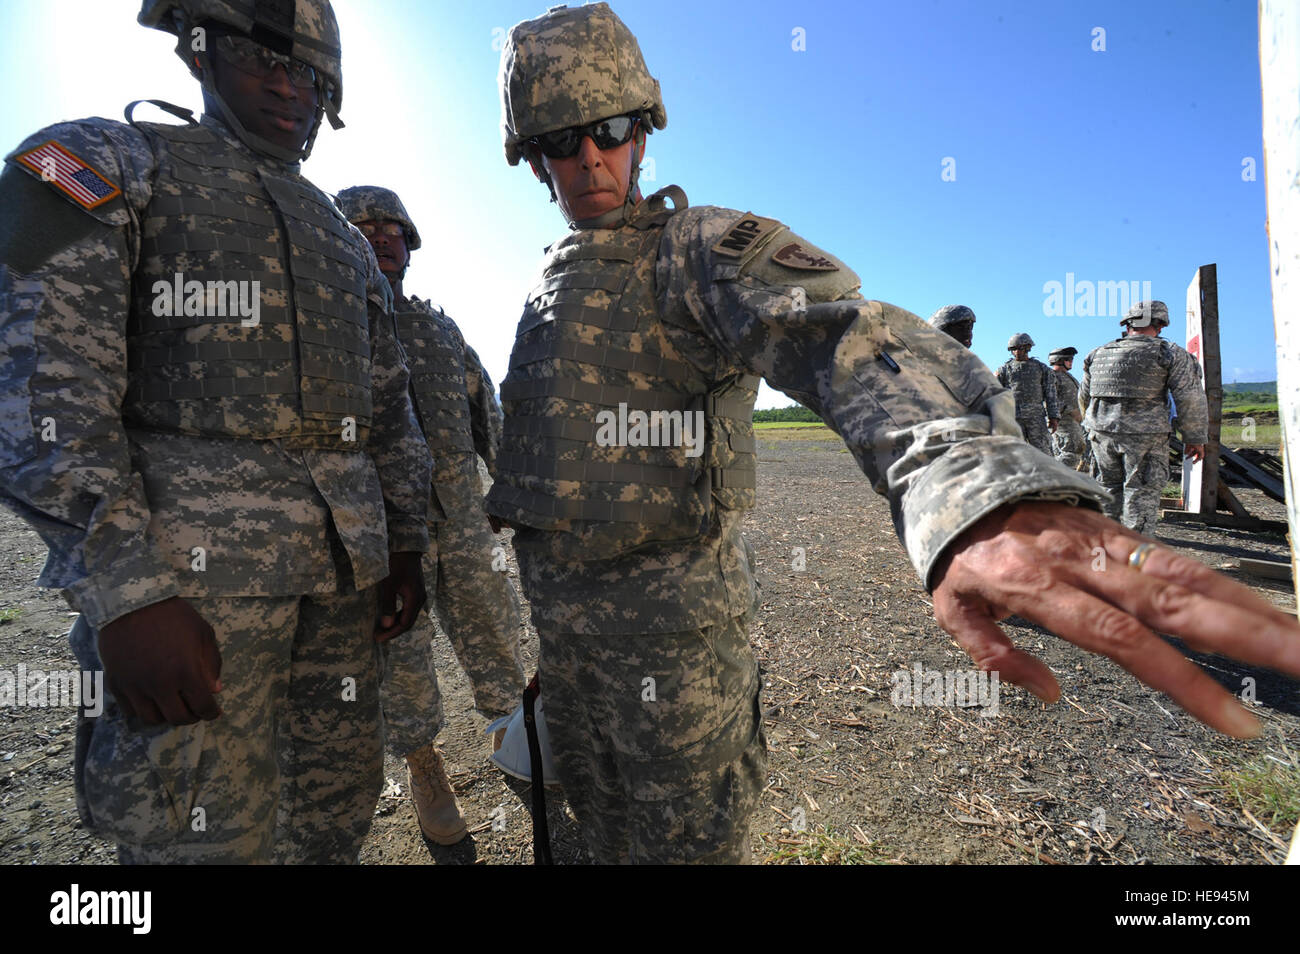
435	800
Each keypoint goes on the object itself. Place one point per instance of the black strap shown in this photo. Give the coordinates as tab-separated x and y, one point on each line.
180	112
541	833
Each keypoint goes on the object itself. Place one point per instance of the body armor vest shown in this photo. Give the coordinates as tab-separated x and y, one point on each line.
1067	393
1134	367
1025	379
198	365
437	367
590	355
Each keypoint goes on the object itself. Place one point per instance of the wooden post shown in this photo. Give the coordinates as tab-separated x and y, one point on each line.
1201	480
1279	69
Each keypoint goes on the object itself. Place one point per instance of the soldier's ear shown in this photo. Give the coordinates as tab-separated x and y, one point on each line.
534	157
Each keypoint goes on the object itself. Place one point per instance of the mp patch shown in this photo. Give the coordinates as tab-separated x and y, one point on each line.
744	235
68	173
795	255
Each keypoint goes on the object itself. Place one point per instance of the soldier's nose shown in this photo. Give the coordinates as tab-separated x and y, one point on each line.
588	153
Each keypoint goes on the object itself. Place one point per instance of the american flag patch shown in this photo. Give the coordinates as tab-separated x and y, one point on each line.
55	165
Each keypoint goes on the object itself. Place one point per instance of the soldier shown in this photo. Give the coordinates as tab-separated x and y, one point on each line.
475	605
1126	388
205	415
957	321
1069	442
629	544
1034	386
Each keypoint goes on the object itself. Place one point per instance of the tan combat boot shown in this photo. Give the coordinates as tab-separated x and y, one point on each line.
435	800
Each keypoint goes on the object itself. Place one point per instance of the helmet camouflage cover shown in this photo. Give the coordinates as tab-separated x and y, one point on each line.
572	67
1144	312
952	315
375	204
306	29
1021	340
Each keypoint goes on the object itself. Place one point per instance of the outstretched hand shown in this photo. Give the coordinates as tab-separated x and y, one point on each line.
1068	569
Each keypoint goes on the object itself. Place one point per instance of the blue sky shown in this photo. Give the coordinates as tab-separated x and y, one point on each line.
1115	165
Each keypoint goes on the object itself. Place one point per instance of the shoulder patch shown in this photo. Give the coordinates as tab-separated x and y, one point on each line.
796	256
75	178
745	234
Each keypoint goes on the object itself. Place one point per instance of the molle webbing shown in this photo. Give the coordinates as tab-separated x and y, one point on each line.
301	372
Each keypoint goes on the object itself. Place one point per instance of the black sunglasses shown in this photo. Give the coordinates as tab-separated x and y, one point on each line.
605	133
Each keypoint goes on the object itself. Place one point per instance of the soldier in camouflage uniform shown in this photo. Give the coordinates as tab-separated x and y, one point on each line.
1126	388
231	496
476	605
1034	386
1069	442
630	545
957	321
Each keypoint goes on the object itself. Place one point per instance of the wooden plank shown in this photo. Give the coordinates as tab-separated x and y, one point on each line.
1268	569
1201	479
1228	500
1265	482
1226	520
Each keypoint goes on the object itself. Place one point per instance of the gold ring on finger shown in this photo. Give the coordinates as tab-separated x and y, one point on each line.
1140	555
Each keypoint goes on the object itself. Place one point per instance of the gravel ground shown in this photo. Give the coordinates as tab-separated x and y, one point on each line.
1114	773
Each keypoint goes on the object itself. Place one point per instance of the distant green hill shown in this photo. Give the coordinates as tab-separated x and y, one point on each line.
795	412
1255	389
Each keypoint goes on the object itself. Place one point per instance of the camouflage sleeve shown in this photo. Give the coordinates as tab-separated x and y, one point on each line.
397	444
65	459
1085	386
1189	397
486	418
1003	378
926	421
1050	396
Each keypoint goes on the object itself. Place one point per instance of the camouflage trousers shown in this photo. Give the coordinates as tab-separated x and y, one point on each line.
1070	445
478	608
291	771
1134	469
658	741
1037	433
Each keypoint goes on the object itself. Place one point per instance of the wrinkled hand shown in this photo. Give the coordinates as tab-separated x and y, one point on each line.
1067	568
1194	451
1053	423
162	664
404	580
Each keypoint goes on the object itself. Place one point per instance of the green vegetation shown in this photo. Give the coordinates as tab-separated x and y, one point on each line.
10	614
795	412
1268	790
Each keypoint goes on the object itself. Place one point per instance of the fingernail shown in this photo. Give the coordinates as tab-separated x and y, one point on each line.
1241	724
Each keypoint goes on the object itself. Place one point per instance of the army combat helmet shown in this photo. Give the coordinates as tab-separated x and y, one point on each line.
303	29
951	315
374	204
1062	353
1144	313
1021	340
572	67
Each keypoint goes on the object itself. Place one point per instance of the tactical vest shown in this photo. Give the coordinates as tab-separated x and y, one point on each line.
1134	367
1067	393
437	368
589	352
302	372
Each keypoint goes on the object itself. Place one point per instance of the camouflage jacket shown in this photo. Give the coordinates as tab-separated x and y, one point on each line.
1127	384
1034	387
926	421
134	516
454	398
1067	394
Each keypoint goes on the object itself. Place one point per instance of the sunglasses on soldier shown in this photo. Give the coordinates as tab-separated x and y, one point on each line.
369	229
605	133
249	56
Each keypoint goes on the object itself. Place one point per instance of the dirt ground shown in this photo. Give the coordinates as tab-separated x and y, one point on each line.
1112	774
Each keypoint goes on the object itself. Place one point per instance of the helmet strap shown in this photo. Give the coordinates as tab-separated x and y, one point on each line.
199	63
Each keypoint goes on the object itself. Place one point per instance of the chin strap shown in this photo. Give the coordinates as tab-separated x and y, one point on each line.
200	64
